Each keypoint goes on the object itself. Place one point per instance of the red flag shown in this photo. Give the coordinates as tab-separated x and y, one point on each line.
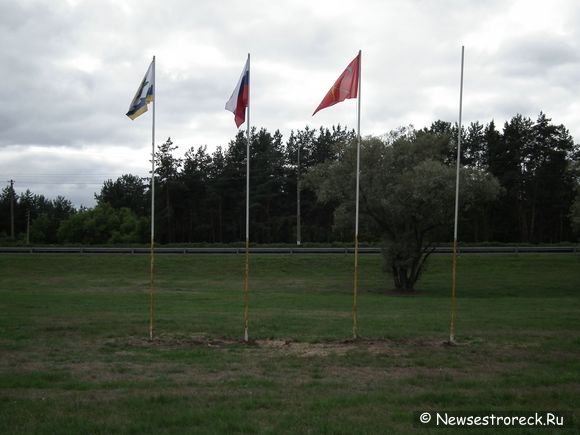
345	87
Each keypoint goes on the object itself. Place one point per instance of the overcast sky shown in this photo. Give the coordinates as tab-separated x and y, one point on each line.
69	69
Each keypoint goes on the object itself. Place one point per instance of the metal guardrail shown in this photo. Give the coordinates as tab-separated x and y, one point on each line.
283	251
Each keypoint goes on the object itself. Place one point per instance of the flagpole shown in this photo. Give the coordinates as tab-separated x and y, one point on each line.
355	284
454	267
152	251
247	266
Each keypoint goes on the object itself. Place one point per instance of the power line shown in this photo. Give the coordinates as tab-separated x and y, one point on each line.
68	179
68	183
100	176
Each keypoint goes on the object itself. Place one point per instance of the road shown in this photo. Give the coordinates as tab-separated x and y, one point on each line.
575	249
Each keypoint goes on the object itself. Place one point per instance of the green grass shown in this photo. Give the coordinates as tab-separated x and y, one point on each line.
75	355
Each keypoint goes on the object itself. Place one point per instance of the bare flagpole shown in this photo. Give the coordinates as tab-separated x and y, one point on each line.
355	281
152	252
454	275
247	268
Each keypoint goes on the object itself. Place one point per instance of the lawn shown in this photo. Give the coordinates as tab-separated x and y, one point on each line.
75	356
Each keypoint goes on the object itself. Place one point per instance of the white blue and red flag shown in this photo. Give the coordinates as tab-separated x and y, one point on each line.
240	98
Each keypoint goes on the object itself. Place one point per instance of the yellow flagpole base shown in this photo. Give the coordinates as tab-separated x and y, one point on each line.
355	292
151	290
453	294
247	291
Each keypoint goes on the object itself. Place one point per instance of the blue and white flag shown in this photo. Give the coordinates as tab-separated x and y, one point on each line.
144	94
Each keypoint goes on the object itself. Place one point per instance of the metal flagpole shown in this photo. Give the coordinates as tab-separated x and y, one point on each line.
454	273
355	284
247	269
152	253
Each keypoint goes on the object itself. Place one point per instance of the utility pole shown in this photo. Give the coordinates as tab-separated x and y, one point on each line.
12	209
298	232
28	227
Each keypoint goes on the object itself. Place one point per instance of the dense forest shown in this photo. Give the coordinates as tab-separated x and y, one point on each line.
200	197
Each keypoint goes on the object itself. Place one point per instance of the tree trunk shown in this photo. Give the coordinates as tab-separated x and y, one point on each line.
403	279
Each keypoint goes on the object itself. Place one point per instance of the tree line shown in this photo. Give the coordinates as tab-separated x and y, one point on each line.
200	197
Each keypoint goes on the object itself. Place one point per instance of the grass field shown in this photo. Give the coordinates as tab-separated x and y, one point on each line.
75	358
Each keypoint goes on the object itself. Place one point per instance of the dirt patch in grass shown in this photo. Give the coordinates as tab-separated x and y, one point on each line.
172	341
343	347
183	365
402	350
293	347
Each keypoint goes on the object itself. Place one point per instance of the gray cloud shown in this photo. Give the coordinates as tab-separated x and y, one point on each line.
538	55
71	67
